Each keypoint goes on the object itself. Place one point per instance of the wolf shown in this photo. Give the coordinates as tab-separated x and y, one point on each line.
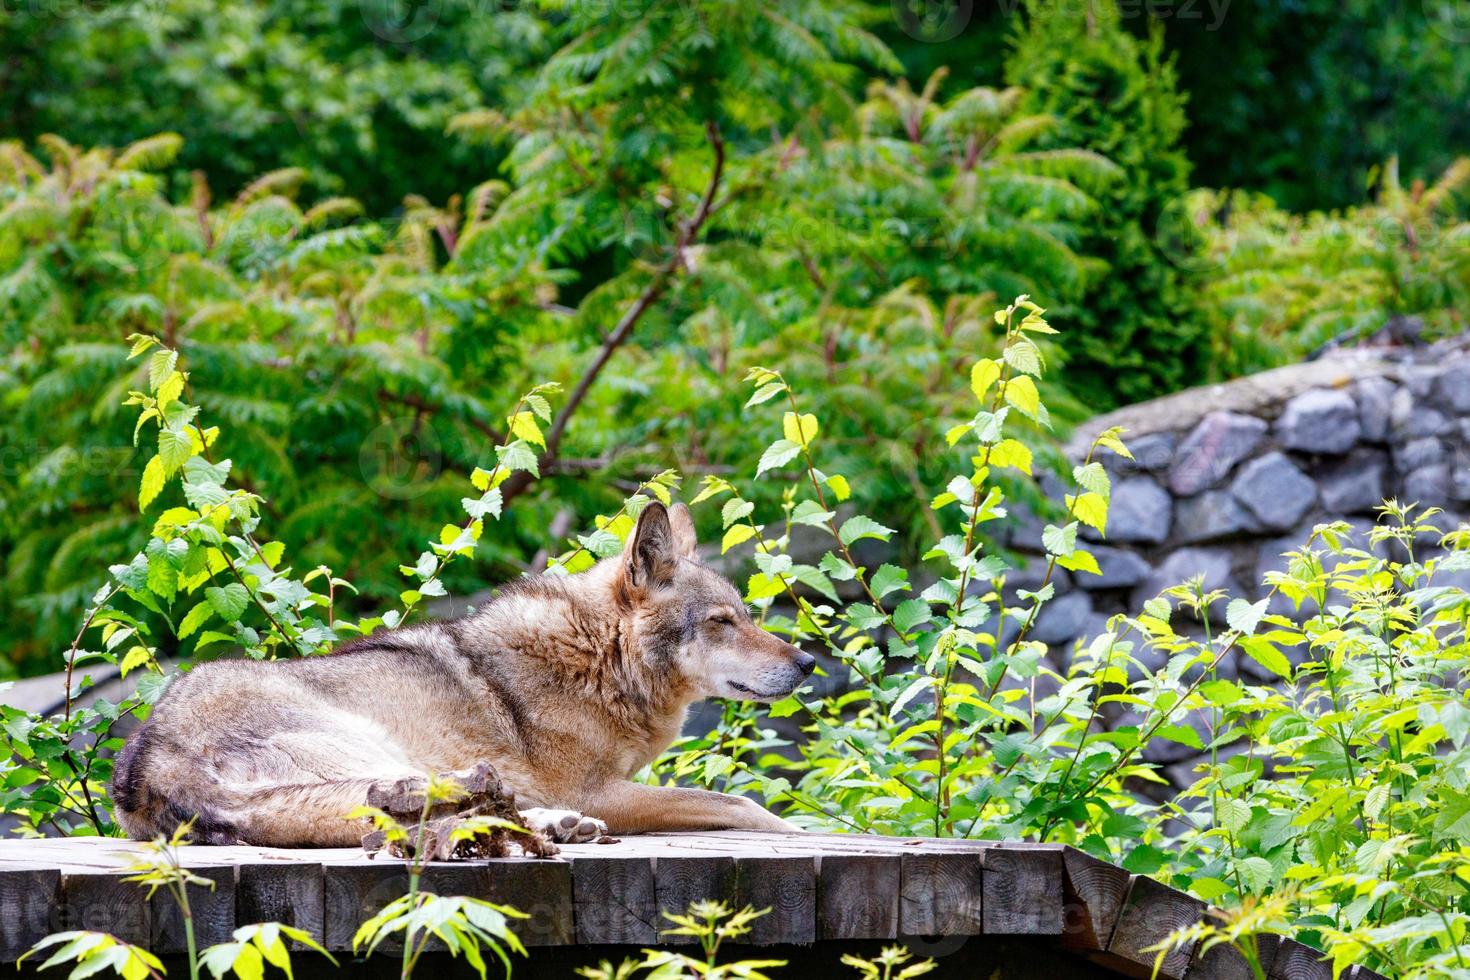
566	686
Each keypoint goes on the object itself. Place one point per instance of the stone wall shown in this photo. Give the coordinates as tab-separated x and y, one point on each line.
1228	477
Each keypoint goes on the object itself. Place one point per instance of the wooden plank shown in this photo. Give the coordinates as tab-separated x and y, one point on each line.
541	889
614	900
857	896
212	909
785	885
104	903
1150	913
28	900
682	880
1224	962
1362	973
940	895
1022	891
288	893
353	893
1298	961
1092	896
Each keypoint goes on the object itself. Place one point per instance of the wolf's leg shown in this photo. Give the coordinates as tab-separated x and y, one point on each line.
632	808
564	826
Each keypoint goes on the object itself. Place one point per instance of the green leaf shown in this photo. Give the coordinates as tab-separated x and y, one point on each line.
1144	860
858	526
174	448
888	578
1233	814
984	374
228	600
1245	616
810	512
1060	540
197	616
735	535
777	454
911	613
1021	392
152	483
735	509
1265	653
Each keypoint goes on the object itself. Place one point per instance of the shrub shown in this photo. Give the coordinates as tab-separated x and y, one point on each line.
1282	285
1138	332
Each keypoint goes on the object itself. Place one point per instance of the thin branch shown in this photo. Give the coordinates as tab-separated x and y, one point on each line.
656	287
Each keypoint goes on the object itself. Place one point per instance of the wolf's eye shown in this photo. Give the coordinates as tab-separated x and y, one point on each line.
722	619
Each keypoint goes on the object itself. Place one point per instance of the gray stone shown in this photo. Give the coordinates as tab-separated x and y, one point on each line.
1375	400
1210	516
1275	491
1428	487
1154	451
1418	453
1421	379
1460	483
1062	619
1212	563
1140	511
1453	386
1121	569
1320	421
1207	454
1354	485
1412	418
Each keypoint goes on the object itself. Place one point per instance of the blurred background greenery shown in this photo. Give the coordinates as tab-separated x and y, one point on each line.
368	225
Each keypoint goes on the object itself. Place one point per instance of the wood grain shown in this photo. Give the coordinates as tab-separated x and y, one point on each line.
785	885
291	894
1150	913
941	895
1092	896
29	901
681	880
1022	891
1298	961
354	893
1224	962
104	902
615	900
212	908
857	896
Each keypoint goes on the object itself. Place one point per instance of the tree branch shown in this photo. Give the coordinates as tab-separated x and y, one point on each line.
662	276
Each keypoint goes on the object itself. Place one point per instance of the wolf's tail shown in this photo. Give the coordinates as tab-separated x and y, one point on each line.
145	811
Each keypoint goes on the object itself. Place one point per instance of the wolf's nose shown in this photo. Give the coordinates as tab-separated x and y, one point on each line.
806	663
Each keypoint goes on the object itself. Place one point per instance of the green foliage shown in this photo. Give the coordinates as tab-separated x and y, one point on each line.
464	926
1299	100
1282	285
1344	808
710	925
352	360
1138	334
350	92
93	952
205	578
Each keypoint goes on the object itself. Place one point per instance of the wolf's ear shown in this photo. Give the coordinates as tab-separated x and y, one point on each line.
651	551
685	543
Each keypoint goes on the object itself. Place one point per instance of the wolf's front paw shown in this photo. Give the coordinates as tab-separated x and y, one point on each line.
564	826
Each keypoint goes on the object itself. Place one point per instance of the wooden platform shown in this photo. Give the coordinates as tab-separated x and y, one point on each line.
821	888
